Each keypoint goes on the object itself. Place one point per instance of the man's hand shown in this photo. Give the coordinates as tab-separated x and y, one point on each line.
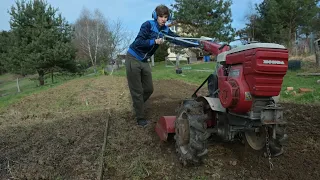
159	41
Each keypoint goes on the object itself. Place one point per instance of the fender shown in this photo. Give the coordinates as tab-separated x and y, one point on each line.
214	103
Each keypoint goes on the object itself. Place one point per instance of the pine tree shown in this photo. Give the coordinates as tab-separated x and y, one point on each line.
42	39
279	21
4	48
211	18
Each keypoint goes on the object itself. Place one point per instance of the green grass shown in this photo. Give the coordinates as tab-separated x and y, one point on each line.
292	80
196	75
6	77
28	85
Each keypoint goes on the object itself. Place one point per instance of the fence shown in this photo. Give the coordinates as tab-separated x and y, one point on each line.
15	84
304	46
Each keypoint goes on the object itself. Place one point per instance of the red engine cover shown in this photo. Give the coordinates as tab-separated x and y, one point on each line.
255	72
234	91
263	69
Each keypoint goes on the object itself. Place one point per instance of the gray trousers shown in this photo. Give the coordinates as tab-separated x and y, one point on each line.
140	83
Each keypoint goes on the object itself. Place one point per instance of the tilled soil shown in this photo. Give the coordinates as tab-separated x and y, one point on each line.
67	148
65	143
152	159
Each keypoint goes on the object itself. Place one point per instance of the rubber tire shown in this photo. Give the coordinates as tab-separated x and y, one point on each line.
194	148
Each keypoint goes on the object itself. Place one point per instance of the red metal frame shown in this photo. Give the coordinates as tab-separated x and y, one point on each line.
164	126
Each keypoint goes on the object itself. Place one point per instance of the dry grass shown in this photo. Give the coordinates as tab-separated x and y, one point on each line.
309	58
75	96
58	133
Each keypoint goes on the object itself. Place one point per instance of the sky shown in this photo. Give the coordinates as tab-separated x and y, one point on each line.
132	13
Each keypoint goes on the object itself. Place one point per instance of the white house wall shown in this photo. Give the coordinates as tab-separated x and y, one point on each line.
183	57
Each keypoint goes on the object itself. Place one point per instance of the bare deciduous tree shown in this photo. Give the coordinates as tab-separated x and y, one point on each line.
120	39
98	39
91	32
251	18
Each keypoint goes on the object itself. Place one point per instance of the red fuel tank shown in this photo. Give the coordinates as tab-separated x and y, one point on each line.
263	68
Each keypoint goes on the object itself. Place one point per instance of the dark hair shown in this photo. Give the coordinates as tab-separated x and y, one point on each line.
162	10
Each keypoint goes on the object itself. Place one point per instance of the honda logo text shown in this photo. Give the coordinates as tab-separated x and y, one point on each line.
272	62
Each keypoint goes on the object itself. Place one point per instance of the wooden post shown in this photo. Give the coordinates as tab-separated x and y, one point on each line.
18	85
152	60
102	165
317	51
177	60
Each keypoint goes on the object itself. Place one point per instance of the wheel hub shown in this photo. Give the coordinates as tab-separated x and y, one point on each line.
256	140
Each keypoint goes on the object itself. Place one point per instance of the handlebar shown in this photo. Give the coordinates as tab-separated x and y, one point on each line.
205	44
183	40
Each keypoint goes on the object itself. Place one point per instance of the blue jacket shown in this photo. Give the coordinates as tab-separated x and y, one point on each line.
144	46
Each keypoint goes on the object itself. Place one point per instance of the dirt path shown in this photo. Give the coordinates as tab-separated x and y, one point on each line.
68	146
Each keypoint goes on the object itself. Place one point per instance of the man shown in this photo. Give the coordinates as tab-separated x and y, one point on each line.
144	46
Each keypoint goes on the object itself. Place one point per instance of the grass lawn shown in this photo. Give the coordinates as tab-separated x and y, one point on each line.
28	85
196	75
292	80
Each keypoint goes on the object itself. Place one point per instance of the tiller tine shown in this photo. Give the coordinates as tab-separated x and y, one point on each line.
165	126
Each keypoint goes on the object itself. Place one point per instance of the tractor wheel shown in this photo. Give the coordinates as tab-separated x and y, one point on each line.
257	141
191	136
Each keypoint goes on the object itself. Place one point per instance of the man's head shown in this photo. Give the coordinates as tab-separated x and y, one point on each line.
162	14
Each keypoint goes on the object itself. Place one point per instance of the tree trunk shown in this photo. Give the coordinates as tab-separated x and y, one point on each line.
95	69
289	38
41	77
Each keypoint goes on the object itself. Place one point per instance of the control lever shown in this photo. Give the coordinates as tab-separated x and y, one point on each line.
221	47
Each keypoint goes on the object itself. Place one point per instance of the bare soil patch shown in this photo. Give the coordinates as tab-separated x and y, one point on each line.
42	137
